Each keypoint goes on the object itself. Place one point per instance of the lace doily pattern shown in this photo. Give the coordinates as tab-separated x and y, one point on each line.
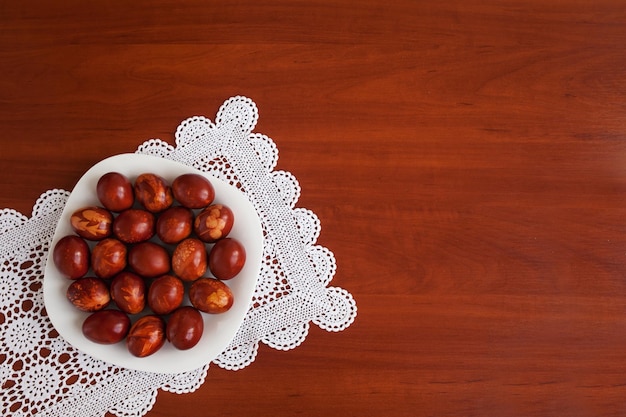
42	375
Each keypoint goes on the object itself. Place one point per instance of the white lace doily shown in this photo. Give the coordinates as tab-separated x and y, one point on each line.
42	375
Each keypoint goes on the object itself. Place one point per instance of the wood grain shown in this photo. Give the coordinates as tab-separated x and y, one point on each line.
467	160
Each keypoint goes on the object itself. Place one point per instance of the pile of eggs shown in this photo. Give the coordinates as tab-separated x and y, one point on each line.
147	248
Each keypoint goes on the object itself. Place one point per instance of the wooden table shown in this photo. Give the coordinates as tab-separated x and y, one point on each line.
467	160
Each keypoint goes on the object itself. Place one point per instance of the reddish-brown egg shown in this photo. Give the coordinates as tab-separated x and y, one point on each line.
71	256
92	223
115	191
193	190
88	294
211	296
149	259
146	336
184	328
165	294
174	224
227	258
128	291
108	257
189	260
214	222
106	326
134	226
153	192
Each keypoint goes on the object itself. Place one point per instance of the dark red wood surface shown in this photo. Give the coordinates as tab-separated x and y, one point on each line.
467	160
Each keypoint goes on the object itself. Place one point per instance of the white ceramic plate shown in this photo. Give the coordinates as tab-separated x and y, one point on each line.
219	329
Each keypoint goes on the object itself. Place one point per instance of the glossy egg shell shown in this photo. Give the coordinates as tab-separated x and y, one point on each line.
92	223
189	259
146	336
193	191
71	256
166	294
214	222
108	257
134	226
115	191
106	326
88	294
184	327
174	224
149	259
211	296
227	258
128	291
153	192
